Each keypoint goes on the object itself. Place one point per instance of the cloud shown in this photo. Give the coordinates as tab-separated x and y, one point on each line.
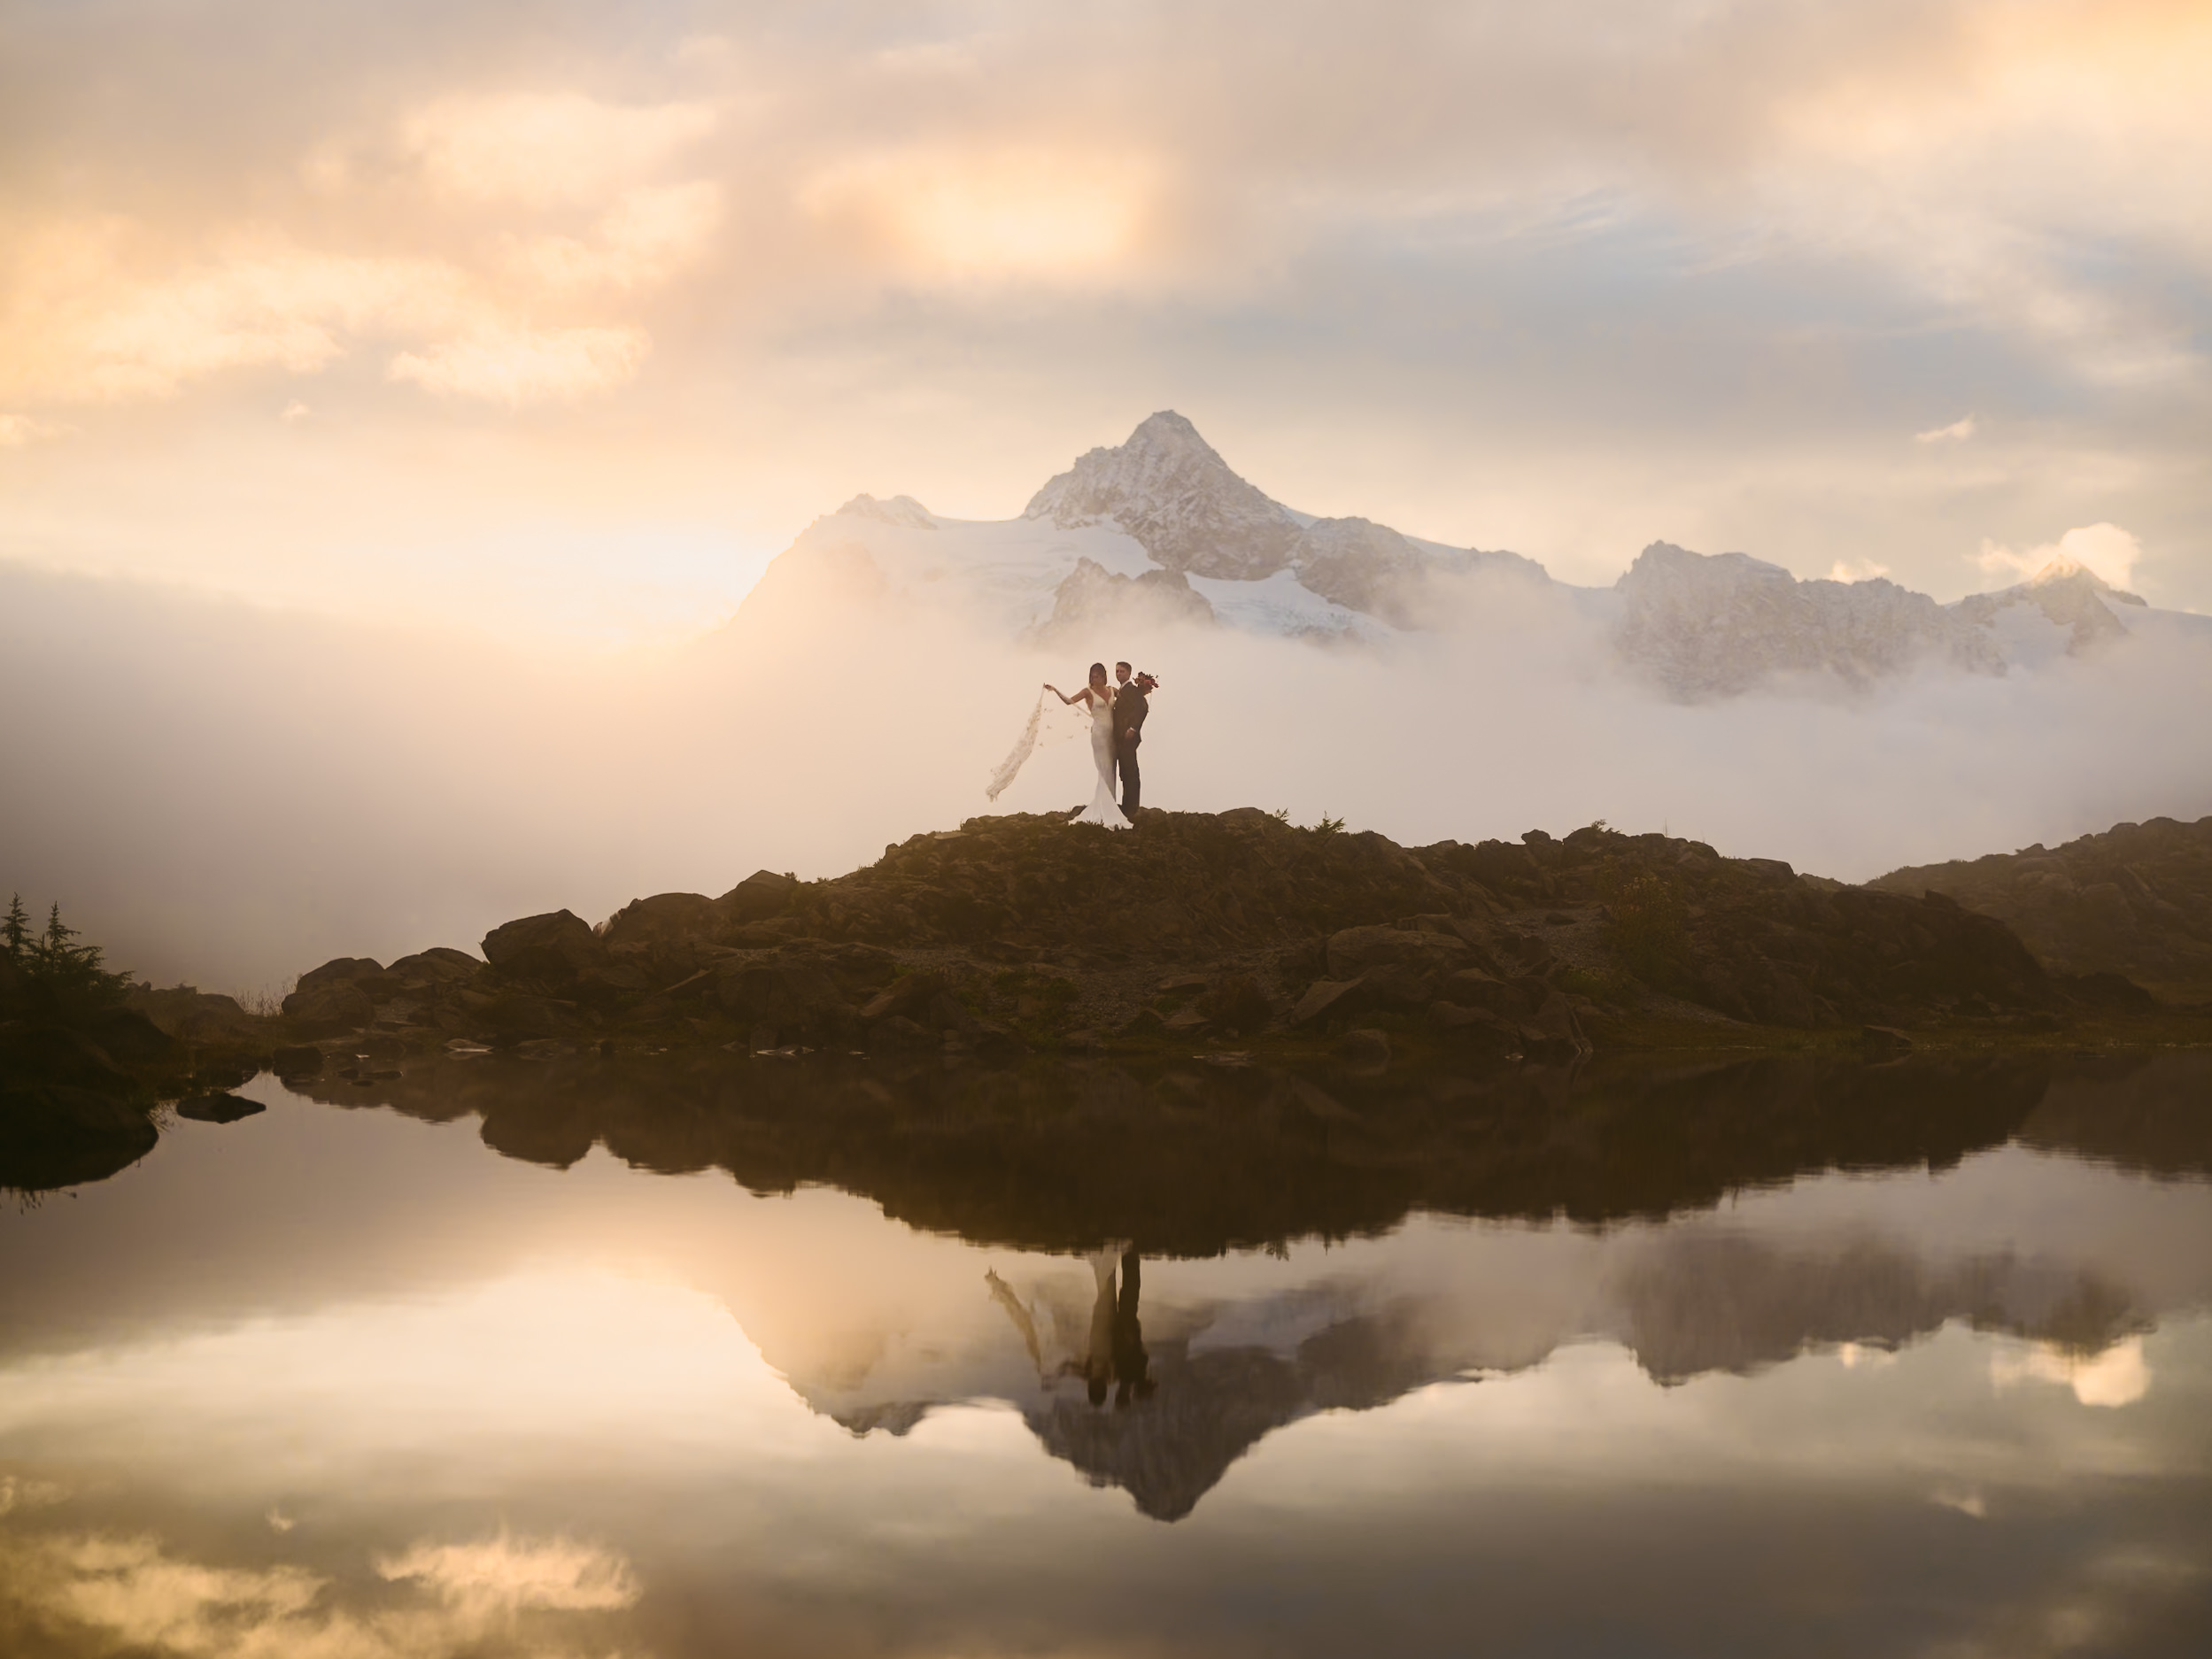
134	1592
1957	432
543	149
518	366
647	236
2104	550
1006	213
17	430
1856	570
2118	1376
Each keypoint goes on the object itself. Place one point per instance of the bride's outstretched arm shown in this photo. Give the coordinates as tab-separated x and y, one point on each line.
1064	697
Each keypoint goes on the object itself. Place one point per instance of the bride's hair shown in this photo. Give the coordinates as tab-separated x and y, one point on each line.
1097	669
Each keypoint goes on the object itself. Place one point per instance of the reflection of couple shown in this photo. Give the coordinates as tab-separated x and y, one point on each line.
1115	1357
1118	714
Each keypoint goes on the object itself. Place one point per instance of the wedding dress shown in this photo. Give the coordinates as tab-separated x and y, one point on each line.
1103	808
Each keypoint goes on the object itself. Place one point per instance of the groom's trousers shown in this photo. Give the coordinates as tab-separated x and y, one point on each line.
1132	783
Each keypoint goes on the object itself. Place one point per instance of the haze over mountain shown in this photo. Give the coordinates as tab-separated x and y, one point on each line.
1161	531
228	794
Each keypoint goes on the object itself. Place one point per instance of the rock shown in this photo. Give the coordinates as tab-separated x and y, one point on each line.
1364	1047
331	1007
129	1037
54	1136
53	1055
516	1017
1236	1003
217	1108
1552	1031
904	995
299	1061
759	896
440	965
338	971
1882	1042
1355	950
1324	999
1144	1023
894	1032
796	998
555	949
664	919
1472	988
1185	1023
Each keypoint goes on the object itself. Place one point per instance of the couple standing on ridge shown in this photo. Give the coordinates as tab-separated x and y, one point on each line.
1118	714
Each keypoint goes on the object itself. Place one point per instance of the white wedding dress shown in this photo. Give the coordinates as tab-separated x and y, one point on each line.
1103	808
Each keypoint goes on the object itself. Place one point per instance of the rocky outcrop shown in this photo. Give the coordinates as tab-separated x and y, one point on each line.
1026	931
2134	900
1169	489
1707	627
1363	566
1091	598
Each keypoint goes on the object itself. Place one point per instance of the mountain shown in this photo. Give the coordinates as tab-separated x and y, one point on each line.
1159	531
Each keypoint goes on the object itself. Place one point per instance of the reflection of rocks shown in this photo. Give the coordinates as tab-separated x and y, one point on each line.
1189	1160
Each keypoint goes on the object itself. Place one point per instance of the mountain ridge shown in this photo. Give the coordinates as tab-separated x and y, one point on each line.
1160	531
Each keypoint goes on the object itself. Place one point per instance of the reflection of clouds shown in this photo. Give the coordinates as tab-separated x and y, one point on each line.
109	1591
2116	1375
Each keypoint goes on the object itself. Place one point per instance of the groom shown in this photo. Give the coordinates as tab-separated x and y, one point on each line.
1132	704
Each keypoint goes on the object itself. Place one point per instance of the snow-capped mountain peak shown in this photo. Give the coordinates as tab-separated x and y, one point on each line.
1168	488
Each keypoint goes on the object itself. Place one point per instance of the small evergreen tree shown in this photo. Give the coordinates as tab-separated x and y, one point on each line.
16	933
73	974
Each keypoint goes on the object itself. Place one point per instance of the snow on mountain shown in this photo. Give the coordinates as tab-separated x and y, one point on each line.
1160	531
1168	488
1718	626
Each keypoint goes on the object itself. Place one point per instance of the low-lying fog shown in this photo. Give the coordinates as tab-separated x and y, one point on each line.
228	796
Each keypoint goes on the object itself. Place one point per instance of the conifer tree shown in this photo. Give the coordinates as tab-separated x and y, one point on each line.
17	930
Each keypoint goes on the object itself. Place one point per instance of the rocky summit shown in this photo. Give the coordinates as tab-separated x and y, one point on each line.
1026	932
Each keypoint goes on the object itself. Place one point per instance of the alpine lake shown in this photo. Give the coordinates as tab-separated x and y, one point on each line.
705	1355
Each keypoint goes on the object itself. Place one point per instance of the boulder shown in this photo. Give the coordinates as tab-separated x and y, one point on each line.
1472	988
1355	950
759	896
129	1037
795	999
440	965
54	1136
904	995
1883	1042
1324	999
516	1017
662	920
339	971
555	949
329	1008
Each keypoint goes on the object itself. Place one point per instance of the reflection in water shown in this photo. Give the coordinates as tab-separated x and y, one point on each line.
1549	1356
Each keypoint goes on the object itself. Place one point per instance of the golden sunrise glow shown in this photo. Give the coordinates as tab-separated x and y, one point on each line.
1011	213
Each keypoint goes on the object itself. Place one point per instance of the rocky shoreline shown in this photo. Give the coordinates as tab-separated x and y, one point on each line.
1236	937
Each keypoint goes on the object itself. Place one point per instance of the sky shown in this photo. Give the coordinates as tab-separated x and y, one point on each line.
555	323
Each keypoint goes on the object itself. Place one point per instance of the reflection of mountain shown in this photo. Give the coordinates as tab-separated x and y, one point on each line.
1189	1162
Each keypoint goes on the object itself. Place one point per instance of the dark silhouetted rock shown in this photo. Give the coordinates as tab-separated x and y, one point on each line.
1882	1042
329	1008
339	971
759	896
218	1108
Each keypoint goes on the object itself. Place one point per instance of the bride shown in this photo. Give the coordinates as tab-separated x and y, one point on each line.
1100	696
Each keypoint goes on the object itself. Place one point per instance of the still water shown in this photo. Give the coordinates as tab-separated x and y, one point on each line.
678	1358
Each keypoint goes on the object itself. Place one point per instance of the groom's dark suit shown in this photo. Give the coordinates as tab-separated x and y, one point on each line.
1131	706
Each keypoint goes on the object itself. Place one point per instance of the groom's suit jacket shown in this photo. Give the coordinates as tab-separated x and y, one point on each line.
1131	706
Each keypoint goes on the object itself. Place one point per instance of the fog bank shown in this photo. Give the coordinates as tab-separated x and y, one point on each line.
228	796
